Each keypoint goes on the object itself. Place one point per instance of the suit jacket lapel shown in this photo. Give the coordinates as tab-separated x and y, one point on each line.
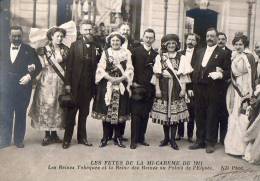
20	52
80	48
8	54
201	55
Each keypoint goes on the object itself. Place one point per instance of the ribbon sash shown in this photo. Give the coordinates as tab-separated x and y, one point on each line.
55	65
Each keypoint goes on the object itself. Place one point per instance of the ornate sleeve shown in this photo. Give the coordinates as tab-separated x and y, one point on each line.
157	67
101	68
184	67
129	72
184	70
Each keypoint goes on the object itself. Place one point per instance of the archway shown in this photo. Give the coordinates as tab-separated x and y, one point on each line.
203	19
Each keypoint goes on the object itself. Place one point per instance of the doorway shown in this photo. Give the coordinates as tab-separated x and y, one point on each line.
64	11
203	19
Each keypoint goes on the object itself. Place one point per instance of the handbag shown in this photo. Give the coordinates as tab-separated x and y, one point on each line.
66	101
139	92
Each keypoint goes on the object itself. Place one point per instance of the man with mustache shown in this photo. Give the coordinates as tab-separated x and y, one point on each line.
208	79
223	113
83	57
189	52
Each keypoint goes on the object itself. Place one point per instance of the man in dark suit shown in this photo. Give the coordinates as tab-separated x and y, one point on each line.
80	82
223	113
143	58
208	83
189	52
19	65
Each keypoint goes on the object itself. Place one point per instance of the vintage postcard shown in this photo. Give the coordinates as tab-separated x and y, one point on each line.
151	92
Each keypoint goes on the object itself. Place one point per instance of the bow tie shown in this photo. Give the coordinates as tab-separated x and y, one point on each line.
15	48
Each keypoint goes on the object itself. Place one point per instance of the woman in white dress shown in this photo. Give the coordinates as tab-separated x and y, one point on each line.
243	75
45	112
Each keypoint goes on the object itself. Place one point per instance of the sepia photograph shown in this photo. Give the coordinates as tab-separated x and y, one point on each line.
106	90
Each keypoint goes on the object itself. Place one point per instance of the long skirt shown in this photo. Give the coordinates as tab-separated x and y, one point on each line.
170	108
45	112
237	125
178	112
252	138
117	111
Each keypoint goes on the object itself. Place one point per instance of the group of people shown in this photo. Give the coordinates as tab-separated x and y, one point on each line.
212	86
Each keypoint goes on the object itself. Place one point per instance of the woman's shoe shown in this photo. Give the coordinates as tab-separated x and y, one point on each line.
164	142
119	143
174	145
56	139
46	141
103	143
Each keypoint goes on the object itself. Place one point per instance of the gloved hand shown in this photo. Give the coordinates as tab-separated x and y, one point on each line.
215	75
31	68
25	79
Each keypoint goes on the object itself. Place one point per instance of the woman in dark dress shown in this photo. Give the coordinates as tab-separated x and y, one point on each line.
114	77
170	78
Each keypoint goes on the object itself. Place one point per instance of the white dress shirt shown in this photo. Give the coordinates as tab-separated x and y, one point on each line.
189	53
14	50
207	55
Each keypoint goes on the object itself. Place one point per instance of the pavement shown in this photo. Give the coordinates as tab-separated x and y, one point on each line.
38	163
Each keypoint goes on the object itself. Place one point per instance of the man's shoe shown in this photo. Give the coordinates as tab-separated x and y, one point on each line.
210	149
174	145
103	143
164	142
196	146
19	145
84	142
133	146
65	145
144	143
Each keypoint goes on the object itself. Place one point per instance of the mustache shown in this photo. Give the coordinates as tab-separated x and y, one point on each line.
210	40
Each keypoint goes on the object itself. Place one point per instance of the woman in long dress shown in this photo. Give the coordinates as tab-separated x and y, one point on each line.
114	77
45	112
243	74
252	138
171	73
